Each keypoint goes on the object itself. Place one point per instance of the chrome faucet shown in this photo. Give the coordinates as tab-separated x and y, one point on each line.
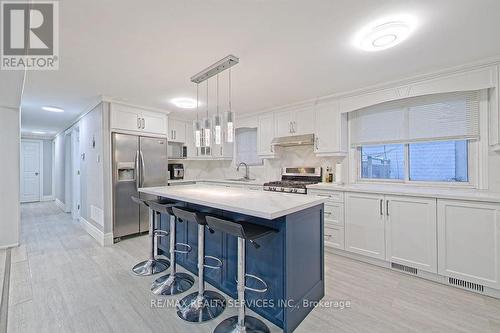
247	176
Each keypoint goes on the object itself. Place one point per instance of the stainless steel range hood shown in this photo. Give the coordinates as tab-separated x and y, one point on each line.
294	140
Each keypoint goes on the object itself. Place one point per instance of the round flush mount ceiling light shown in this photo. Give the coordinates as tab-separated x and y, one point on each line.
385	33
52	109
184	102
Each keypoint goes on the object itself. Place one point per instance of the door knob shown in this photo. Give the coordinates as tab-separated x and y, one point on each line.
36	173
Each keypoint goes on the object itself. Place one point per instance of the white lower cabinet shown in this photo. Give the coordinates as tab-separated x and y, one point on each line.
469	241
365	224
334	235
411	232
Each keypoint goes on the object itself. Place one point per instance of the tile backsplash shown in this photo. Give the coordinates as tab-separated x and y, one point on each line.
269	170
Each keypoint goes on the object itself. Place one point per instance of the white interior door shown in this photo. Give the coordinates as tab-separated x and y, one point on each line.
30	171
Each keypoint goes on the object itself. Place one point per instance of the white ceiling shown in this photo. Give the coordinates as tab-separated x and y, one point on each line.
290	50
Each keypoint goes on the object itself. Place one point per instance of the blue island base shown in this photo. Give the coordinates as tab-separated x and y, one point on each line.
291	261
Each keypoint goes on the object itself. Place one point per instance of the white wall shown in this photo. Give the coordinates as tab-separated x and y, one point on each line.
59	167
91	168
9	182
47	168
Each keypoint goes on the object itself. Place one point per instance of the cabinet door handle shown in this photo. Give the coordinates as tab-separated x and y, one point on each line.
387	207
381	208
317	143
272	149
294	124
138	123
290	127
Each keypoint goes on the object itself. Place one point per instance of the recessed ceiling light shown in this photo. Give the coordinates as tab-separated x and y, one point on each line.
52	109
184	102
38	132
385	33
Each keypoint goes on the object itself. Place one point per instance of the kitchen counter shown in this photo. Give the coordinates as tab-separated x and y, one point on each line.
281	257
216	181
416	191
267	205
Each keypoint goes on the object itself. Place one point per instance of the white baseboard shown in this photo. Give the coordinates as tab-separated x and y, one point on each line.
3	247
60	205
102	238
47	198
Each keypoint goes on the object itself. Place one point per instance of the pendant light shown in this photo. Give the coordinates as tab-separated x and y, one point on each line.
217	120
207	127
196	123
229	117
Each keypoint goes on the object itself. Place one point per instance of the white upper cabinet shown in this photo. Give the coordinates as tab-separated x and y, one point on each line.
304	121
411	232
265	135
283	122
154	122
469	241
365	224
130	118
330	130
177	131
294	122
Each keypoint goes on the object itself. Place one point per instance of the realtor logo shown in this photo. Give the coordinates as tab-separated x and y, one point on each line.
29	36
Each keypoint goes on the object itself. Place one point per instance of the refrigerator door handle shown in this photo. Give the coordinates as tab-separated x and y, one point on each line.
136	162
142	168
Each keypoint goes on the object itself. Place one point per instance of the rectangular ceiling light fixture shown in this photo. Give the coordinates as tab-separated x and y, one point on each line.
215	69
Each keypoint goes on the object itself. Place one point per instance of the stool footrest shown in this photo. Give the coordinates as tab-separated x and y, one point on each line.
217	266
263	290
161	233
186	251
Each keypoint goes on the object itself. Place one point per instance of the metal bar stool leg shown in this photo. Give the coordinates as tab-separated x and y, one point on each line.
242	323
203	305
152	265
175	282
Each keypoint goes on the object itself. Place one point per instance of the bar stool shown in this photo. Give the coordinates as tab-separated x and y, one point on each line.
244	232
175	282
152	265
203	305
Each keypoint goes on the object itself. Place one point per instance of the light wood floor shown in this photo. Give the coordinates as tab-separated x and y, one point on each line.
63	281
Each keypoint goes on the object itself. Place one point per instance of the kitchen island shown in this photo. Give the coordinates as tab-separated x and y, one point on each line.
289	260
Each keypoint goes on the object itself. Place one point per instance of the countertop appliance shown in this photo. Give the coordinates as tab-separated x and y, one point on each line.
176	171
138	161
295	180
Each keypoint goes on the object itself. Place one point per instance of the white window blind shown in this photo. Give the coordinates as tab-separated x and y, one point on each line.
246	146
452	116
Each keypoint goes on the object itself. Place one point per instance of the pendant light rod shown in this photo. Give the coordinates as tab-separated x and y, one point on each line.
215	69
197	101
207	99
217	94
230	106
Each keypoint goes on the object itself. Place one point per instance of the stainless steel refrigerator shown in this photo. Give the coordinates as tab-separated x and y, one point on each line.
138	161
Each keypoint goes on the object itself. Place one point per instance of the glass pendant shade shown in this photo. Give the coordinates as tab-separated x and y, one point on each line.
197	133
217	123
207	130
229	122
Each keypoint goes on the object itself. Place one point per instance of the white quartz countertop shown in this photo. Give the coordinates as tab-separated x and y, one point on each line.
217	181
268	205
418	191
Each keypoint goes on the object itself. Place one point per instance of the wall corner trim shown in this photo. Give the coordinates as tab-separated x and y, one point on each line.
102	238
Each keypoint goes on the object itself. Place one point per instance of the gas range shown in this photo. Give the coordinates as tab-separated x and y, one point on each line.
295	180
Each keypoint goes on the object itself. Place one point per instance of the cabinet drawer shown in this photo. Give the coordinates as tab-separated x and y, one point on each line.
334	213
331	196
334	236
